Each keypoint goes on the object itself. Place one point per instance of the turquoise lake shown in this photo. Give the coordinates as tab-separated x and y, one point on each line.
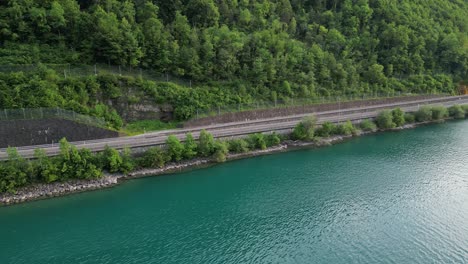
397	197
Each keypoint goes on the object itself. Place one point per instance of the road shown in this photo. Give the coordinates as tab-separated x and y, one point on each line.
240	128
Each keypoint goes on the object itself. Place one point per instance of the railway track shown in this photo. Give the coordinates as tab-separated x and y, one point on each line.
240	128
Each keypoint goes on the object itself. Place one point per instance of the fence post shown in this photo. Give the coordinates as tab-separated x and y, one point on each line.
120	71
24	114
6	115
95	69
42	113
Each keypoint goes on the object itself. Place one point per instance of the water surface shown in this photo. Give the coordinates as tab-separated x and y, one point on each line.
388	198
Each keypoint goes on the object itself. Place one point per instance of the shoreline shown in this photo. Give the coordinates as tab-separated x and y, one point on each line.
43	191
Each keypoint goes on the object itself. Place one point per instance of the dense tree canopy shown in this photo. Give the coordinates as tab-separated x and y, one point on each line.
255	48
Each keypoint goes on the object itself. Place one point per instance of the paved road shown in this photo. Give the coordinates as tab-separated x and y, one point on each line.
240	128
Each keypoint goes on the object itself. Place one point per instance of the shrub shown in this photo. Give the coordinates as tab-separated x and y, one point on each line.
77	164
347	128
190	147
305	129
457	112
221	150
175	149
465	108
238	146
153	157
257	141
111	160
206	144
47	168
398	117
385	120
368	125
128	163
409	118
424	114
327	129
439	112
272	139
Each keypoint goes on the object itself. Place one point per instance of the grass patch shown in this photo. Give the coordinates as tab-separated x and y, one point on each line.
142	126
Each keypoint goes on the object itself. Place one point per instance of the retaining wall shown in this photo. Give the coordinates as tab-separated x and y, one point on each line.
45	131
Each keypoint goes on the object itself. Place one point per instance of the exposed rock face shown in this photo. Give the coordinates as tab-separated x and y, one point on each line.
142	110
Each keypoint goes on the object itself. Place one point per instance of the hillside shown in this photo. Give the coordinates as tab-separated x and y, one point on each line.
228	51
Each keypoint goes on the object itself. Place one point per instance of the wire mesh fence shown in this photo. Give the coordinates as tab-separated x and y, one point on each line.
47	113
295	102
68	70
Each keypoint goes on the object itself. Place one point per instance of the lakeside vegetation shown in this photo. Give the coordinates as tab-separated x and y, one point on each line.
73	163
226	52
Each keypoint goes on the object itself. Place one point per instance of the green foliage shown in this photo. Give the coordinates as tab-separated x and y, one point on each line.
424	114
238	145
175	149
385	120
47	168
398	117
206	144
439	112
410	118
14	172
327	129
465	107
257	141
252	49
220	151
347	128
457	112
77	164
154	157
368	125
305	130
112	161
128	162
272	139
190	147
149	125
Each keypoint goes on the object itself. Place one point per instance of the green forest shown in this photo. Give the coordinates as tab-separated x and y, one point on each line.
233	51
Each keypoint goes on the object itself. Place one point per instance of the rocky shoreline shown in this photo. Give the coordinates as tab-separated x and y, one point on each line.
44	191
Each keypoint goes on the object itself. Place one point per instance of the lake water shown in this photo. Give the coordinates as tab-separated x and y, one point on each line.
389	198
